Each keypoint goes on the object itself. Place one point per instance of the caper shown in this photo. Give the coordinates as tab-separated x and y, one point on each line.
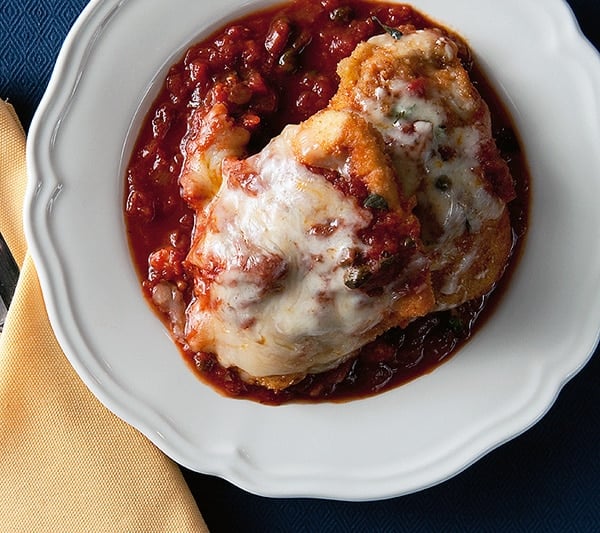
376	201
356	276
443	183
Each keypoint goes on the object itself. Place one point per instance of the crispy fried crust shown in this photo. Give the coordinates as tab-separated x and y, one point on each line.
478	262
333	138
424	66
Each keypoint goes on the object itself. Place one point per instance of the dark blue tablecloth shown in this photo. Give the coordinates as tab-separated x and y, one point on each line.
548	479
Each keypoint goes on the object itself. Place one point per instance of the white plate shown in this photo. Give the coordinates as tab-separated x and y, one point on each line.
415	436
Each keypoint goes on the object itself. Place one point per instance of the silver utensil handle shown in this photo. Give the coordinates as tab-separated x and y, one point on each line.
3	311
9	274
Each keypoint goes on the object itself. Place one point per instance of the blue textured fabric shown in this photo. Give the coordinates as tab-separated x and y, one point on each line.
548	479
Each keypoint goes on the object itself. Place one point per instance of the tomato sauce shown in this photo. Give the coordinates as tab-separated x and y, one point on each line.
272	68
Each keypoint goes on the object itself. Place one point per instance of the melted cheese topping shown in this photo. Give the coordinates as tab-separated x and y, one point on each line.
278	303
416	125
273	246
437	130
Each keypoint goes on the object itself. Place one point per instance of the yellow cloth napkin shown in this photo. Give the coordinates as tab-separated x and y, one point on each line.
67	463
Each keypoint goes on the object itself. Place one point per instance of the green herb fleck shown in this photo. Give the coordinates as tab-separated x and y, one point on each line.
439	132
403	113
376	201
356	276
394	32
